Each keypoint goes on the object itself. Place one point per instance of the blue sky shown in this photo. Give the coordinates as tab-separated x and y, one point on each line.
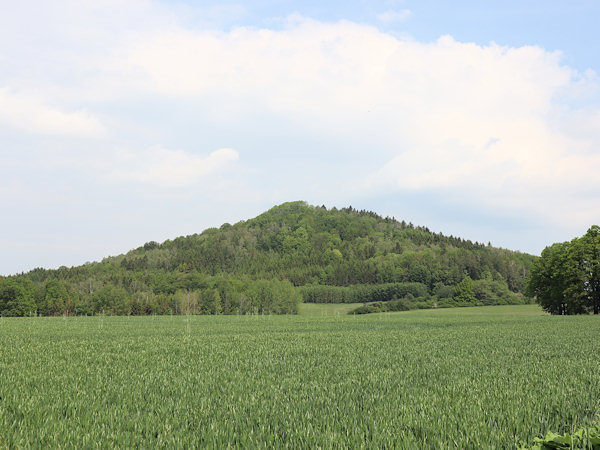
124	122
570	27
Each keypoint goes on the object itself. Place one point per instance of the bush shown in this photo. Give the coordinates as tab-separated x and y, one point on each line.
583	438
375	307
365	309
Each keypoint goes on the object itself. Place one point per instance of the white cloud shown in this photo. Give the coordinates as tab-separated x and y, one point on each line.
394	16
29	115
430	109
496	127
169	168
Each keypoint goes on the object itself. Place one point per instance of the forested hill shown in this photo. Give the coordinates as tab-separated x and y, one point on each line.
291	250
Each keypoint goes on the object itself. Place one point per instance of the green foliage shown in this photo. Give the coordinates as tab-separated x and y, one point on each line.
393	305
583	438
331	255
488	291
586	262
315	293
484	292
111	299
210	301
566	278
273	297
56	299
187	302
441	291
467	378
17	297
464	292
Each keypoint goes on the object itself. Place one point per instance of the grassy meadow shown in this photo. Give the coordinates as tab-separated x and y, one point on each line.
484	377
326	309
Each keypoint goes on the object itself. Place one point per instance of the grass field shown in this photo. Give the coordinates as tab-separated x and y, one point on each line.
454	378
326	309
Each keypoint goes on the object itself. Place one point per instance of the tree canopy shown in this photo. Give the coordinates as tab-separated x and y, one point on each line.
566	278
16	297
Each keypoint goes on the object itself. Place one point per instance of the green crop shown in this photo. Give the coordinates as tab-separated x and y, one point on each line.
488	377
584	438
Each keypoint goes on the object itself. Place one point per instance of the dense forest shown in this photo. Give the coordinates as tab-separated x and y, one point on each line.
266	265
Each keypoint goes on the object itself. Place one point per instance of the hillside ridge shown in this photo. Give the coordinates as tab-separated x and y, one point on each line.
293	249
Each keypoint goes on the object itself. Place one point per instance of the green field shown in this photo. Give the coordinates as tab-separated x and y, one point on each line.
326	309
455	378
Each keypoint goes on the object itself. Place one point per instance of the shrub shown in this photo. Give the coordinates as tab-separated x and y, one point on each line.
583	438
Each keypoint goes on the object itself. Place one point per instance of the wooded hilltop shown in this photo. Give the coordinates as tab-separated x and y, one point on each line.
293	252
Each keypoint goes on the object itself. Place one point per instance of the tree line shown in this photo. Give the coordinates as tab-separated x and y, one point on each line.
19	296
486	291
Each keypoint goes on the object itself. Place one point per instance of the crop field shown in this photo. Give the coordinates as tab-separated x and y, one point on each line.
484	377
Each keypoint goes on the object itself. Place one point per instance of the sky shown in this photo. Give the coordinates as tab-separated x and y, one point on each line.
127	122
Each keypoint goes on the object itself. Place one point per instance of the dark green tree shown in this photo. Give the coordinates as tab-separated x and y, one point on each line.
17	297
566	278
549	279
209	301
464	292
111	299
56	298
584	265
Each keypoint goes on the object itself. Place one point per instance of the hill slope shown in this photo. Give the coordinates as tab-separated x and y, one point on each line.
264	265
